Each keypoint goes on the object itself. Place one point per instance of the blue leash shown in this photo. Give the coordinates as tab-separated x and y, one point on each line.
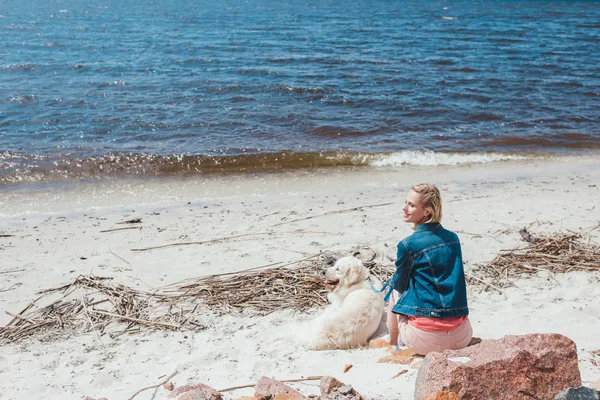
385	285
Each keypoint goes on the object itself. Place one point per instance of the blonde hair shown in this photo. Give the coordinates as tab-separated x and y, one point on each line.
430	200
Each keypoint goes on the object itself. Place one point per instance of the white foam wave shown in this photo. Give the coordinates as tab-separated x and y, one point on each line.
430	158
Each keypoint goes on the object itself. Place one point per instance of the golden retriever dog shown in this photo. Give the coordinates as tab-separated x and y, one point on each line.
355	309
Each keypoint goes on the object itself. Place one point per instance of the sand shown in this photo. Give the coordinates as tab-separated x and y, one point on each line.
57	236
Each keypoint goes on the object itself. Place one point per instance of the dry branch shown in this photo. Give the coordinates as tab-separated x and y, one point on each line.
78	310
131	221
154	386
121	229
203	241
557	253
299	231
346	210
269	290
11	271
92	303
308	378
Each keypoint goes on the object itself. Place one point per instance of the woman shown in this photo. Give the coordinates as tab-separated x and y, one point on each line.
428	309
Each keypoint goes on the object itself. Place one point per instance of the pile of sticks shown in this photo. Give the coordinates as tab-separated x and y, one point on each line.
92	303
263	291
557	253
266	291
97	304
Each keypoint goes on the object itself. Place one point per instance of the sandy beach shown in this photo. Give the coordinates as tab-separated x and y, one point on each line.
55	236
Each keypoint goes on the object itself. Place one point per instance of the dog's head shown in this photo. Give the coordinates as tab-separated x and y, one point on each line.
346	272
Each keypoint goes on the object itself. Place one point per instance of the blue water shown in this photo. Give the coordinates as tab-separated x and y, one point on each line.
85	80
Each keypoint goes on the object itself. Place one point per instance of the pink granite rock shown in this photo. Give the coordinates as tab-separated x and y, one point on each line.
329	385
536	366
267	388
289	396
196	392
332	389
442	396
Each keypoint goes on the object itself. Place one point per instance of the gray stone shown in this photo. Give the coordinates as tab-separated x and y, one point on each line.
578	393
345	389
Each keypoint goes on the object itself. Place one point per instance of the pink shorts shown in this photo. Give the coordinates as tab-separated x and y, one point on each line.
423	342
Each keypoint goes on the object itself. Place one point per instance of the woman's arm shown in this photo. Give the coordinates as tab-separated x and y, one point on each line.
400	276
392	321
402	267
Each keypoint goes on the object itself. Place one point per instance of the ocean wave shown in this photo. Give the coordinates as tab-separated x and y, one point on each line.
18	168
433	159
26	66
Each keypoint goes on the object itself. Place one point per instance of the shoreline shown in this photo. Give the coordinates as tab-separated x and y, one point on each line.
16	170
58	236
57	197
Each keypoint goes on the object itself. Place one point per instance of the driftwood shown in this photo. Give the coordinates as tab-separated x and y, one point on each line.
154	386
555	253
11	271
225	238
121	229
99	305
272	289
347	210
203	241
308	378
11	287
92	303
131	221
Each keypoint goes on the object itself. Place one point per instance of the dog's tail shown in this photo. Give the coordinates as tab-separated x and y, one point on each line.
298	332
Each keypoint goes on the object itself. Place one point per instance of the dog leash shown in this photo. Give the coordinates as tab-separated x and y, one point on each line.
385	285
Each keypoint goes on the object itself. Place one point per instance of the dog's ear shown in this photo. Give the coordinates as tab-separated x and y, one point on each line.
353	274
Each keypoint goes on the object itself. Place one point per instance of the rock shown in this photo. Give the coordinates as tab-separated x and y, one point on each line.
329	385
332	389
379	343
267	388
578	393
442	396
196	392
345	389
194	395
515	367
399	357
289	396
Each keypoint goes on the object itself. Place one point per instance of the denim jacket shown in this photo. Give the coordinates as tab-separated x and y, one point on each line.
430	275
